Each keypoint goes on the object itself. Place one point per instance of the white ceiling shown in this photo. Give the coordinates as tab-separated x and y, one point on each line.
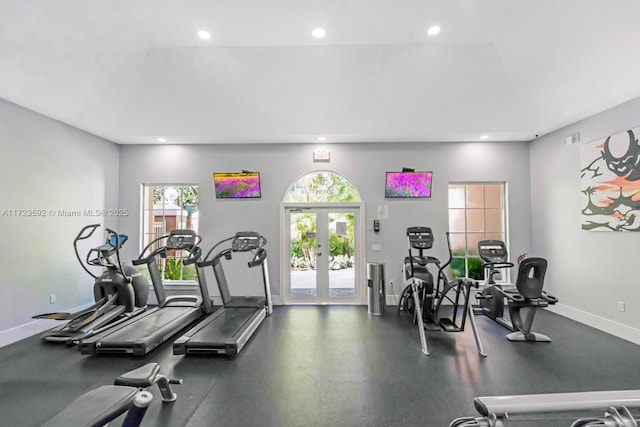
133	70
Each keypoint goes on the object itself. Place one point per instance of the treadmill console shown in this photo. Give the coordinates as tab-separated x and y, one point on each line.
247	241
181	239
492	251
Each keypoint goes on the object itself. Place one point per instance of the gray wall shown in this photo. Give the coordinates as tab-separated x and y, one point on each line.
591	271
49	166
363	164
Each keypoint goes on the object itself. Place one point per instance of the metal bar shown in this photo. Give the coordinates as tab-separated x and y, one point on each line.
418	310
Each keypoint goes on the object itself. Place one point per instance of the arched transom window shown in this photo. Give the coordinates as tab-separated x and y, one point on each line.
323	187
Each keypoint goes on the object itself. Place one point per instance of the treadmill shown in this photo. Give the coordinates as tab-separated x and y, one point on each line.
145	332
228	329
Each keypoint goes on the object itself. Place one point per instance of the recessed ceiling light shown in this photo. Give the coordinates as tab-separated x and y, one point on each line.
433	31
204	35
484	137
161	139
319	33
322	139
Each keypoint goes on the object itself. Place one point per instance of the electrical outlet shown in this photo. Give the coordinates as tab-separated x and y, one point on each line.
391	283
621	306
52	298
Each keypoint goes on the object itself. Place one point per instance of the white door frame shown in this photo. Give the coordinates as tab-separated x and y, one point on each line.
360	255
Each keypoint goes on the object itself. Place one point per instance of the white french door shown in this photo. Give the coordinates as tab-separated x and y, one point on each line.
323	259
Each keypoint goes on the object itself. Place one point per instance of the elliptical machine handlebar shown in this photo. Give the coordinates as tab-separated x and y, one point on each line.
82	235
446	264
116	243
103	252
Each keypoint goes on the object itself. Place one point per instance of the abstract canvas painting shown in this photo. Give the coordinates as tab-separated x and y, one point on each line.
610	183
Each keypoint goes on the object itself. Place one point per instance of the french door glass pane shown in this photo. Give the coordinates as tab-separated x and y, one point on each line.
341	255
303	254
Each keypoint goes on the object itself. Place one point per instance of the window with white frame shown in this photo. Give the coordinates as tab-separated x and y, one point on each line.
476	212
170	207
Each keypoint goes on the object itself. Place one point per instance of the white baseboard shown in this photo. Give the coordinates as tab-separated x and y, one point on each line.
34	327
391	299
24	331
614	328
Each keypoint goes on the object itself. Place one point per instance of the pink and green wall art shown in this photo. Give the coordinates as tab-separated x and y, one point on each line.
408	184
237	185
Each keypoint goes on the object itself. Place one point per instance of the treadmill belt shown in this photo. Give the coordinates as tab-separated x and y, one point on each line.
226	326
147	325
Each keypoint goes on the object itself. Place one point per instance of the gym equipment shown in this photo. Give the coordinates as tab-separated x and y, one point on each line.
120	292
227	330
143	333
106	403
523	298
424	298
498	411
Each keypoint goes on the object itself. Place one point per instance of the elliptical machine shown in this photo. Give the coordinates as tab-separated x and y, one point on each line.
120	291
523	298
424	297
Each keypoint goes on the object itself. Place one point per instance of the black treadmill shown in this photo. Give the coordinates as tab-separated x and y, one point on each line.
227	330
145	332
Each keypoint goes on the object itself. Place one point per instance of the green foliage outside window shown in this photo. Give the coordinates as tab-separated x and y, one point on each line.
174	270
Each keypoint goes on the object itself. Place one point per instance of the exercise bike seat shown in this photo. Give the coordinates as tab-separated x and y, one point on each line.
530	296
530	280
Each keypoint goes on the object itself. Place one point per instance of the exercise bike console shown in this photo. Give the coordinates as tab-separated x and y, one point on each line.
494	254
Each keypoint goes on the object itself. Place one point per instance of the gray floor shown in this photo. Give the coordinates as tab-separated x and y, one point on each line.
332	366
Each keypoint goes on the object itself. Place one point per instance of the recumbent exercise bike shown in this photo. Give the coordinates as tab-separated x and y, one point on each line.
523	298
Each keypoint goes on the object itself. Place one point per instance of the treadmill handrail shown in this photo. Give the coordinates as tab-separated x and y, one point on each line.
259	257
194	251
206	261
160	251
206	257
216	259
